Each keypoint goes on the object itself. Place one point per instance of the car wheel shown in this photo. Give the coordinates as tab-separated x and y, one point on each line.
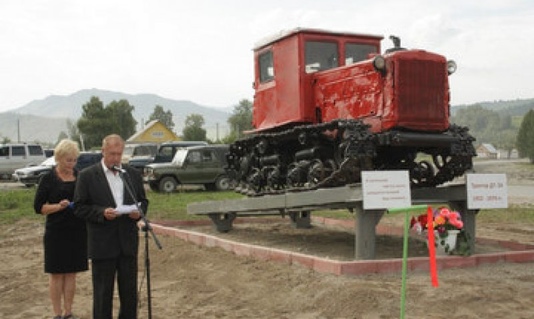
167	185
224	183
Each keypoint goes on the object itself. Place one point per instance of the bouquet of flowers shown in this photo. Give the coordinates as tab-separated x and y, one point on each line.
444	220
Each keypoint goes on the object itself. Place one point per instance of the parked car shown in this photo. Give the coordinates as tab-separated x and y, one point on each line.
167	150
164	154
139	162
200	165
31	175
49	153
15	155
138	150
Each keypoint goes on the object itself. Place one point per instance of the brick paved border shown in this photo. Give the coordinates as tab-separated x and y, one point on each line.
520	253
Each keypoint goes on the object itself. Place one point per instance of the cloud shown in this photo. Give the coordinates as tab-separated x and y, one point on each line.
201	50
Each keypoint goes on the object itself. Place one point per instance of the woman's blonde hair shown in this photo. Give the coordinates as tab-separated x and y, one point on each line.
64	148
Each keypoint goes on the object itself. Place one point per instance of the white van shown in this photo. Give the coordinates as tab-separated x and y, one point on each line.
17	155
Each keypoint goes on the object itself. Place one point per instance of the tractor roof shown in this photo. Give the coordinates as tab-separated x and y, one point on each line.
287	33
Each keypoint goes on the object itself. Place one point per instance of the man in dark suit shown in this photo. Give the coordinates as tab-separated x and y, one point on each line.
103	200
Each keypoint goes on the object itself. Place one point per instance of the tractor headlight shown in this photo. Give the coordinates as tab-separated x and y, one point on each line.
451	67
379	63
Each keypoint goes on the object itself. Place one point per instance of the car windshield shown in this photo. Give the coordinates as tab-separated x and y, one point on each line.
128	150
179	157
51	161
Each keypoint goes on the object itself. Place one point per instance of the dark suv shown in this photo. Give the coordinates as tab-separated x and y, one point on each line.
164	154
31	175
202	165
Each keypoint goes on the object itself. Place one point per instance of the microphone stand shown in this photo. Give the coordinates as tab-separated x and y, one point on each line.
146	228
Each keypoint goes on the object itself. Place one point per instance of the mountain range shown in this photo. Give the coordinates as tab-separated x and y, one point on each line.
43	120
517	107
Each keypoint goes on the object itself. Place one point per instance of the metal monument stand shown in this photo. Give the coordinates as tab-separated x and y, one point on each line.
453	195
299	206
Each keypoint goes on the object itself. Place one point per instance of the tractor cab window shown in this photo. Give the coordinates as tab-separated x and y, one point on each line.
266	66
357	52
321	56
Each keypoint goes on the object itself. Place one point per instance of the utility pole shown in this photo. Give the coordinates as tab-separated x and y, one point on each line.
81	141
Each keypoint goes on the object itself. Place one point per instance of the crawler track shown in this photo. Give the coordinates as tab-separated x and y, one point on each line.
333	154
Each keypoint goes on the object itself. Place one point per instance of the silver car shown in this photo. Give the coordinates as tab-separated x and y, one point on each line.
31	175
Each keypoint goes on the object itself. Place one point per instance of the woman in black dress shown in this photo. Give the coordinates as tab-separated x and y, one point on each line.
65	237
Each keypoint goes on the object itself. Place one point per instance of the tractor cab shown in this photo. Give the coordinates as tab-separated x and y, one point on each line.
284	66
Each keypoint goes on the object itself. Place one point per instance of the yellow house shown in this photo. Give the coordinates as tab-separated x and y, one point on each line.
154	132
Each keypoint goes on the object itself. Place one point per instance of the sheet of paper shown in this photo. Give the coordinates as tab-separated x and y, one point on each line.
125	209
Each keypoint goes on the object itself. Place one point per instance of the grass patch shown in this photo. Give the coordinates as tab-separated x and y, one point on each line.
525	167
17	204
174	206
513	214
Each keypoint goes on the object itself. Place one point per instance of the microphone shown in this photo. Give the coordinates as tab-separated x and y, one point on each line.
118	169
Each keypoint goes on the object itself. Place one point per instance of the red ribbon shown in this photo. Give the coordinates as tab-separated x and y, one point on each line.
432	247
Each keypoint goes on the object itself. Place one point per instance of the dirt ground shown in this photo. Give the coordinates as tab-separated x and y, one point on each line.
189	281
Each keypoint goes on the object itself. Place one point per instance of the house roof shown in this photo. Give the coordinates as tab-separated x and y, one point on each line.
152	126
490	148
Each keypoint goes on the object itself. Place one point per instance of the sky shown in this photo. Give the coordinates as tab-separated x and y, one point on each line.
201	50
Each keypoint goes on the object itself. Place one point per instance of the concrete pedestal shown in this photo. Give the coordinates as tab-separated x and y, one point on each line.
299	206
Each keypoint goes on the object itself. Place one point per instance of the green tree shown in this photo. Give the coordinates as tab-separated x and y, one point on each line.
164	117
240	120
482	123
96	121
506	122
122	120
93	124
506	140
525	137
193	130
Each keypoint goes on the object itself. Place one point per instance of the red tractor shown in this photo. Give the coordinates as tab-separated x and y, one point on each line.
329	105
